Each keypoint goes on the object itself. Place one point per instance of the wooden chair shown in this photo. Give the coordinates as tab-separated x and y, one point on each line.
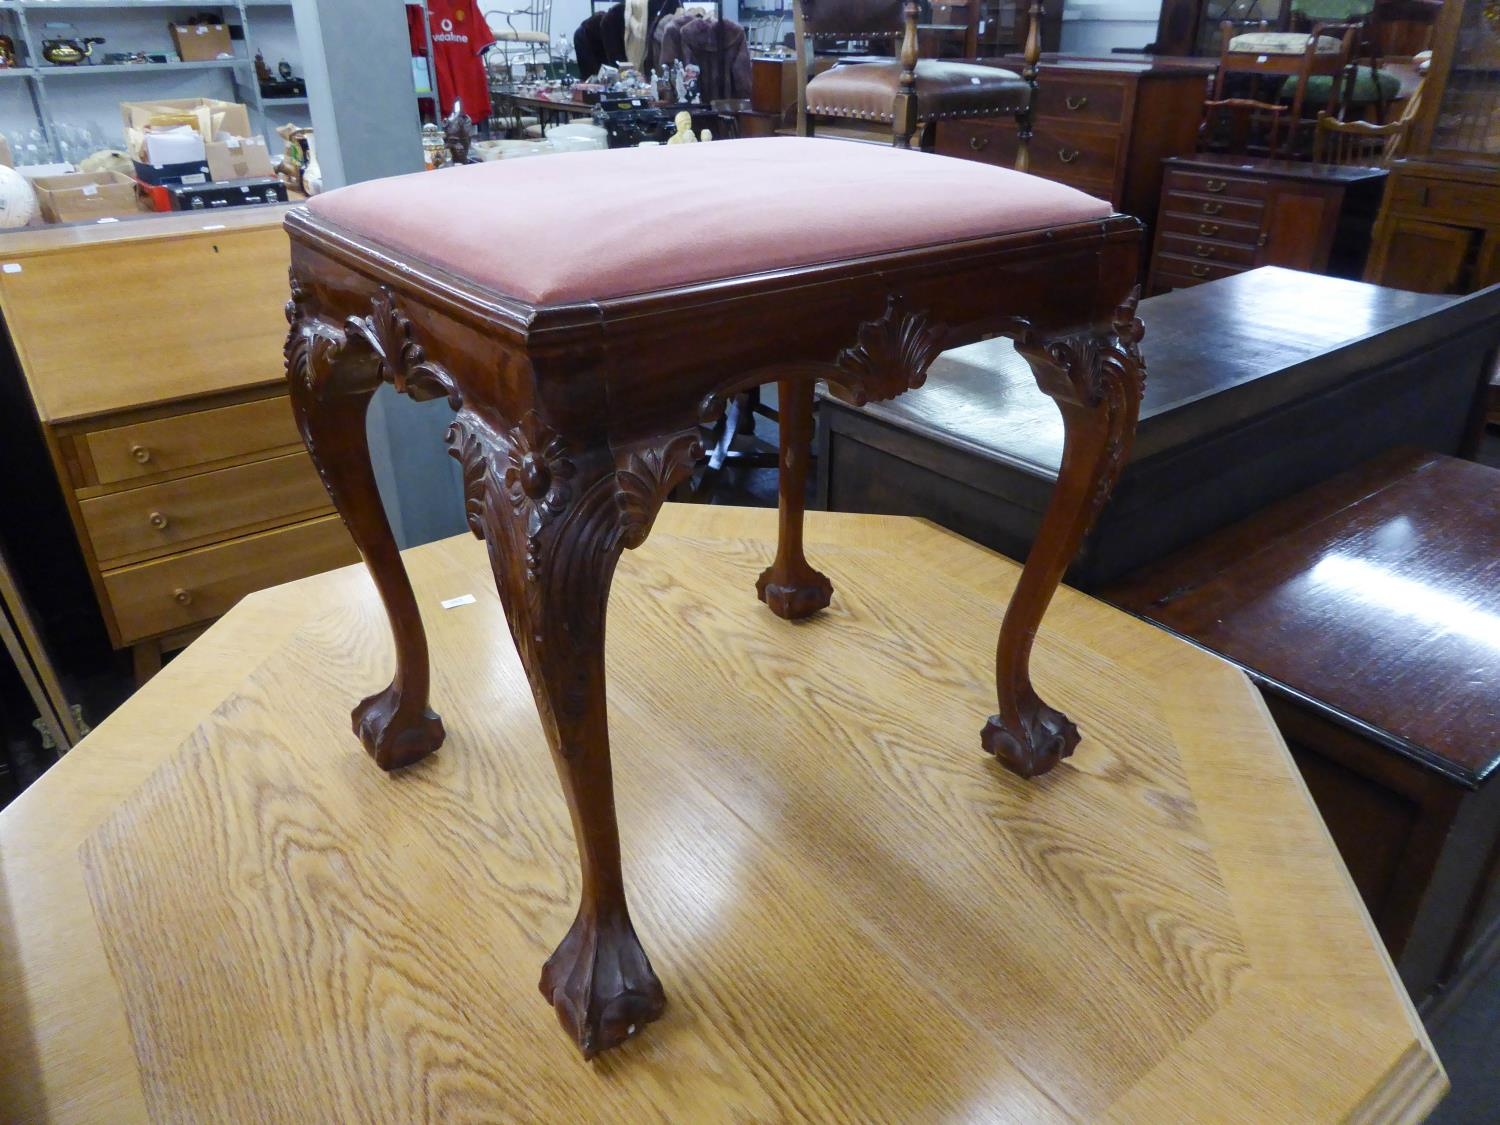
1281	55
1231	121
1360	143
905	92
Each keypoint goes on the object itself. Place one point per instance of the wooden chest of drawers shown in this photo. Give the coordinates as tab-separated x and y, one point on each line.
1221	216
1103	127
152	352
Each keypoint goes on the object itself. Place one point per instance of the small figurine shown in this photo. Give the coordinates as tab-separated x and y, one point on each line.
434	155
691	83
458	137
679	86
684	134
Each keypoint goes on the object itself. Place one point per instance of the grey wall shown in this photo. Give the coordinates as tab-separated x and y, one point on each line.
364	112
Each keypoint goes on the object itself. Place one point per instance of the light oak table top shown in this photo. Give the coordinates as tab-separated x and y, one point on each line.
217	909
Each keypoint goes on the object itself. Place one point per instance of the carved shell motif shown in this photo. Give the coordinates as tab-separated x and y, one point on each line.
1085	367
388	332
646	479
892	354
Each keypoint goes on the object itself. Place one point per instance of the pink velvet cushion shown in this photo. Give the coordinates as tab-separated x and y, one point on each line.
594	225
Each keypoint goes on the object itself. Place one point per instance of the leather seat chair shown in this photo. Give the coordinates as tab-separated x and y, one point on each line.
904	92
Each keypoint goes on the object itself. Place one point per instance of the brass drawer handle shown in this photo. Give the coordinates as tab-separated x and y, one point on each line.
1067	156
1208	230
978	144
182	597
1200	271
1216	186
158	521
1075	104
1203	251
141	454
1212	207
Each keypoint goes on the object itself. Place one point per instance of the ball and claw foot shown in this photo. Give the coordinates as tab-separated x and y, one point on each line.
392	737
601	984
792	601
1042	739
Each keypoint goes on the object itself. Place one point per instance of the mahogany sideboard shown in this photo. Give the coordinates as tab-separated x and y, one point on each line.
152	353
1367	609
1300	378
1102	126
1224	215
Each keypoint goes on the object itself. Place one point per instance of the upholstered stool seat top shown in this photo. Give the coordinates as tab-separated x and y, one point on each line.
591	226
1283	43
944	90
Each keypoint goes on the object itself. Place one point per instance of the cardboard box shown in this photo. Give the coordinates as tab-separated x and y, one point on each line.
210	116
201	42
81	196
239	158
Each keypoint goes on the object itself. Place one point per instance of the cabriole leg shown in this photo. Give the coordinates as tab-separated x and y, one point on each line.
331	384
555	518
1097	379
790	586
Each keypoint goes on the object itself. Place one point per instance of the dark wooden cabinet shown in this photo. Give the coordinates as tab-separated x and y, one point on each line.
1103	127
1223	216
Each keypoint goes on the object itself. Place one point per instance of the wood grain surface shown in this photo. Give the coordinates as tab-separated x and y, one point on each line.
217	911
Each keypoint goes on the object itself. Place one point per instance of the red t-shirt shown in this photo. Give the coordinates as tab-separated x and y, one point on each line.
459	36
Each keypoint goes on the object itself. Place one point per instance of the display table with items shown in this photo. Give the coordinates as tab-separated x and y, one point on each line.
583	369
216	911
1261	384
152	355
1368	610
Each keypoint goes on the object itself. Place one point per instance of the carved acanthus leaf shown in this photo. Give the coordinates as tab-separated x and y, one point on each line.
403	363
891	355
645	481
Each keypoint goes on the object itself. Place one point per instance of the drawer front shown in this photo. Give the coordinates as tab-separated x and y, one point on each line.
189	511
1061	153
988	142
1207	250
1213	207
1210	184
1063	98
183	590
187	440
1081	158
1199	226
1435	200
1175	272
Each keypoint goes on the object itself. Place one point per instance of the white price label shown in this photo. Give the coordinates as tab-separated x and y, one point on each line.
454	603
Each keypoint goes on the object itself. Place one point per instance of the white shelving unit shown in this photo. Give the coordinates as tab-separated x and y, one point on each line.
39	98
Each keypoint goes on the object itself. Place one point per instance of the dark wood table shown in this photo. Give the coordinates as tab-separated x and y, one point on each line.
1368	611
1259	385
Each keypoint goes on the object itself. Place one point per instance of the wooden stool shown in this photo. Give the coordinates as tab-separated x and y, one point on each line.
583	341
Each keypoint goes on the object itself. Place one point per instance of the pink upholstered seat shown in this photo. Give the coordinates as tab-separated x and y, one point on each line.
594	225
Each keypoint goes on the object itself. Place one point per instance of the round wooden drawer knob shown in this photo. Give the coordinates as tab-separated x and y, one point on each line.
182	597
140	453
158	521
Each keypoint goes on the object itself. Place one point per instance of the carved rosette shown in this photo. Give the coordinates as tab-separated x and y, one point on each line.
403	363
891	355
